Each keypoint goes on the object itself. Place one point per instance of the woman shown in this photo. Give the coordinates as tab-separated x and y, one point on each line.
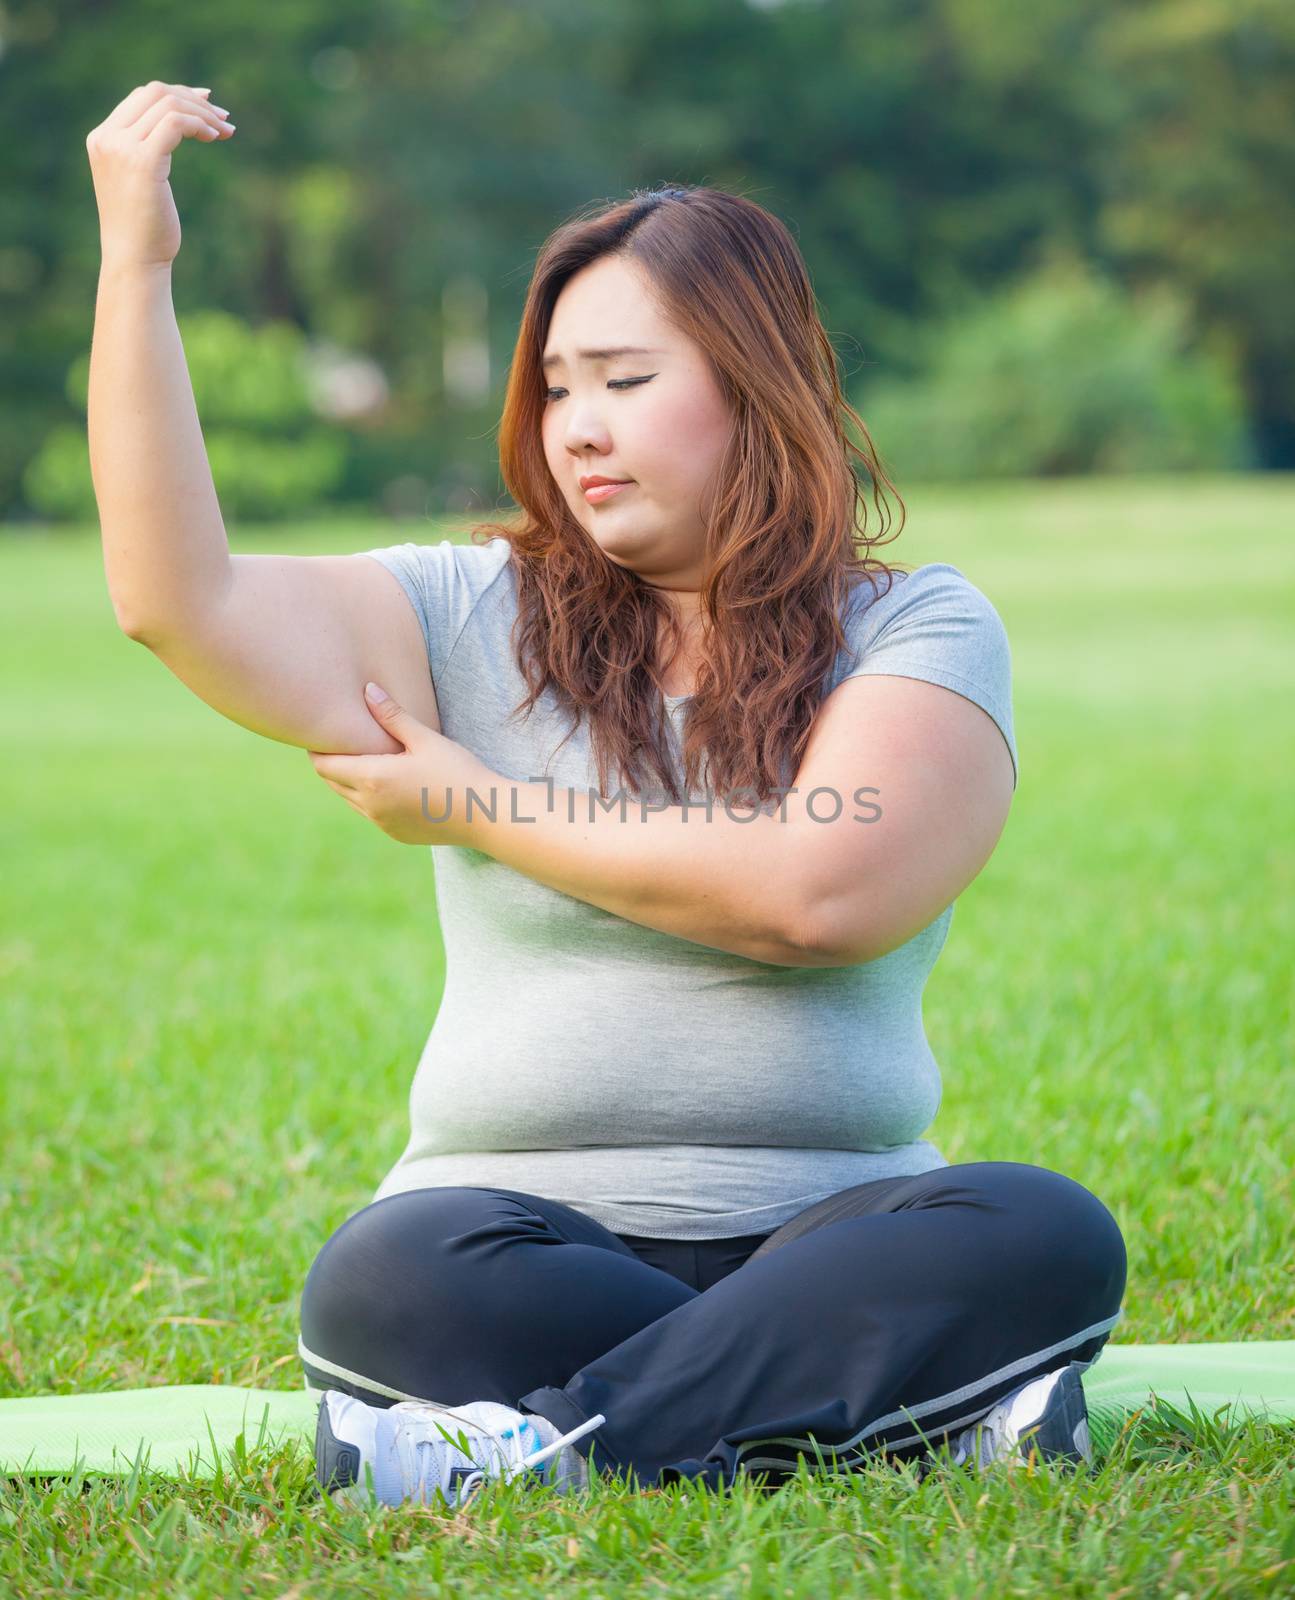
712	781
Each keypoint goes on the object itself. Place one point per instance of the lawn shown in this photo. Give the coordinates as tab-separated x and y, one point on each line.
217	978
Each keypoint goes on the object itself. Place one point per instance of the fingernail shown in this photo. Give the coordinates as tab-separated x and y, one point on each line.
375	693
219	110
202	91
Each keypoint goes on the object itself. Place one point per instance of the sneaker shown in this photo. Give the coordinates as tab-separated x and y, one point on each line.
1047	1417
413	1450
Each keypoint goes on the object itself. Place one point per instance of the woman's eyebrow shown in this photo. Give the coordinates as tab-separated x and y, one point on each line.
555	360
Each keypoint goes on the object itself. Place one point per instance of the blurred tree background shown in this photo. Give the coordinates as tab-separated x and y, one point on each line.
1045	240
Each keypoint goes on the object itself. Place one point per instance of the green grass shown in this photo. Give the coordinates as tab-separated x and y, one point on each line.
216	981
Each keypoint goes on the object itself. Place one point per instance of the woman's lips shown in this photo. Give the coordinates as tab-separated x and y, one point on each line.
604	491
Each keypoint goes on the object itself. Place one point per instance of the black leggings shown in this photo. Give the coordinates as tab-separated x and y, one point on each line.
877	1320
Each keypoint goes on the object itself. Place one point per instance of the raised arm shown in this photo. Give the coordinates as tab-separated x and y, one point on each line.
279	644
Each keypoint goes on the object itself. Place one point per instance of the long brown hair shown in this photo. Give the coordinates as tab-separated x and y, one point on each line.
786	537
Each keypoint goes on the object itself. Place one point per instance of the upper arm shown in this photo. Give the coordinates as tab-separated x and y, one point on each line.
288	647
938	769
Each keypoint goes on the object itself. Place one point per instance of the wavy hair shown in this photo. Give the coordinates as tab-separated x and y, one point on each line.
786	532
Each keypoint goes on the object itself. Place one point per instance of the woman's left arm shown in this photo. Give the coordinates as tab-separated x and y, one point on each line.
902	793
727	880
900	799
720	877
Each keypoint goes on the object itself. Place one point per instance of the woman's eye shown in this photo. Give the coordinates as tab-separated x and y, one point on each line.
612	383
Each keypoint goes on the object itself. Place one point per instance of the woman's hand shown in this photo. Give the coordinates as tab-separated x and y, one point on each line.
405	794
130	162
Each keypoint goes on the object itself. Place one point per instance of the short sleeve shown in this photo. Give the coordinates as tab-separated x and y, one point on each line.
935	624
444	582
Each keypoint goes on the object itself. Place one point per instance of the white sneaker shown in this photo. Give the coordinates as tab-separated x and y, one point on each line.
1047	1416
414	1450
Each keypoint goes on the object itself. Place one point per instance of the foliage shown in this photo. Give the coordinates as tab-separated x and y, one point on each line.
269	458
922	151
1061	372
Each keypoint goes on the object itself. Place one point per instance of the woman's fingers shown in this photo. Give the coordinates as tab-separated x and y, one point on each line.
124	113
177	115
147	95
173	126
339	784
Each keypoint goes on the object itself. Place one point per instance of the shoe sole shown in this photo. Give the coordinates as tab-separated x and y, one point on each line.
337	1462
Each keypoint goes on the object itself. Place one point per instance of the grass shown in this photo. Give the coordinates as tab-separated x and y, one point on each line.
216	983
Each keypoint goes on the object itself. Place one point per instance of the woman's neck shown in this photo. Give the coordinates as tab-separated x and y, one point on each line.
679	677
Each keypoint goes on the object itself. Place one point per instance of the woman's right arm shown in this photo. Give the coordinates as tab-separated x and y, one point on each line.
280	644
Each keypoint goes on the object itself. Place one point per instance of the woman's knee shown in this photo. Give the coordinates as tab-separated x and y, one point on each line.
385	1277
1083	1233
1059	1227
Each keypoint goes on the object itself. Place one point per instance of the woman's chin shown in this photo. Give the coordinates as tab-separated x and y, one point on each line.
623	538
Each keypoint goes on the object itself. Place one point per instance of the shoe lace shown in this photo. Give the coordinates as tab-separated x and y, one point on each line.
424	1445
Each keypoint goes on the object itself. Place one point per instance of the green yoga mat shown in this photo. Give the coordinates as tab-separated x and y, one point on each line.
186	1429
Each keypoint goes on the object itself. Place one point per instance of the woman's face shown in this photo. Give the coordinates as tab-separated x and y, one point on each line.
658	419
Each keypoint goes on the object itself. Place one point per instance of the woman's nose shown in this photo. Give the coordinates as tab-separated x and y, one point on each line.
584	428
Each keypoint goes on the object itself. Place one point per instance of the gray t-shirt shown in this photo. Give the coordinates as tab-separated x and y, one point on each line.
662	1087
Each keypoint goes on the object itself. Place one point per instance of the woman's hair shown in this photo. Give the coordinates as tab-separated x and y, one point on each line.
786	530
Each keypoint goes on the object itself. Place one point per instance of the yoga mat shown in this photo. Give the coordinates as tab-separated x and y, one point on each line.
47	1433
1249	1378
171	1429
